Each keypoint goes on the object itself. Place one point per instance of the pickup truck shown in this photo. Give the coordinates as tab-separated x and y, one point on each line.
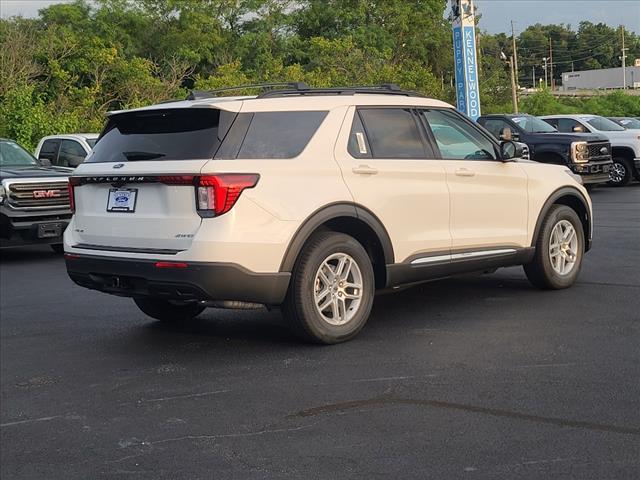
625	143
34	199
587	155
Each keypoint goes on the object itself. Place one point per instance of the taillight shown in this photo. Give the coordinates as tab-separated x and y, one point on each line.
73	181
217	194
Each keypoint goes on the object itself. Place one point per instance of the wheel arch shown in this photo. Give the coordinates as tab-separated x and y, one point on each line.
351	219
624	152
574	199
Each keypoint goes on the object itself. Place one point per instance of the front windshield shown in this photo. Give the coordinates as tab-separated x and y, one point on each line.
12	154
605	125
630	123
533	124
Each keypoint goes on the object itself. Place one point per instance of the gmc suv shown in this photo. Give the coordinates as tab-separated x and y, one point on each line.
311	199
34	199
586	154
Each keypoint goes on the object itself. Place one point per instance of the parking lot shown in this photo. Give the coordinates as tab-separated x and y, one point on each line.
473	377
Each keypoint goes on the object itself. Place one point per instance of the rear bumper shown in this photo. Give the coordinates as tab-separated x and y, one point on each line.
198	281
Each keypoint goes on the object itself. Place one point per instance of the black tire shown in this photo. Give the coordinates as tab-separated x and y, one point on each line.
57	248
299	307
621	172
167	311
540	271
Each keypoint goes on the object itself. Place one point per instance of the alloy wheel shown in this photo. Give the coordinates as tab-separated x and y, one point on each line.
338	289
563	247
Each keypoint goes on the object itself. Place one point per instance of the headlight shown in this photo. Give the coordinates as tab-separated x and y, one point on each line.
579	152
577	178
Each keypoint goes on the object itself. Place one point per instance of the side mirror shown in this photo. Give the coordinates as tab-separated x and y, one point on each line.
577	129
45	162
506	135
510	150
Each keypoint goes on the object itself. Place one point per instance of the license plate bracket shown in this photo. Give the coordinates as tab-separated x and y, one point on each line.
49	230
122	200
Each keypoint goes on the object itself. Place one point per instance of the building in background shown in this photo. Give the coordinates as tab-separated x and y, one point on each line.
606	78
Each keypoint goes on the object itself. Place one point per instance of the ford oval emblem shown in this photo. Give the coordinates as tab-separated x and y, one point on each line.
118	165
604	150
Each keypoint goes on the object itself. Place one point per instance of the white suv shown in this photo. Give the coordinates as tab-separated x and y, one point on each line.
311	199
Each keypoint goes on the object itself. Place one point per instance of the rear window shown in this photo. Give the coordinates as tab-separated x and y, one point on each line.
170	134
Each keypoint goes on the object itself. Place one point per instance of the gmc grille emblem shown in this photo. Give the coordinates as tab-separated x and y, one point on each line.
46	193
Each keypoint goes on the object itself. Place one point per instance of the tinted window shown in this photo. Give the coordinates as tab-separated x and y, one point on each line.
392	133
49	150
13	154
458	140
604	124
495	126
71	154
280	134
358	143
171	134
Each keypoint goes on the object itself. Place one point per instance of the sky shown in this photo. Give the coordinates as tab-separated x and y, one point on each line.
496	14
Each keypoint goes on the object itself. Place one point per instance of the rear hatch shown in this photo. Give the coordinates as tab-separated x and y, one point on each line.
135	192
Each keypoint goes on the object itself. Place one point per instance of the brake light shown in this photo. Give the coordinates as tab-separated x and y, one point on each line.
73	181
217	194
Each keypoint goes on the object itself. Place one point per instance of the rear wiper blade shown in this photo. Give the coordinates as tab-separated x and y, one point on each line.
142	155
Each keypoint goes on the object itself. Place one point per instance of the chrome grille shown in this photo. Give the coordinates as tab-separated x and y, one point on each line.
38	195
594	150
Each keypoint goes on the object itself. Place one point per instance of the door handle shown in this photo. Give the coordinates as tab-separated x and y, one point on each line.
465	172
364	170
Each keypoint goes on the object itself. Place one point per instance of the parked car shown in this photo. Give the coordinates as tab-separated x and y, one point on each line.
586	154
66	150
34	199
312	199
625	144
630	123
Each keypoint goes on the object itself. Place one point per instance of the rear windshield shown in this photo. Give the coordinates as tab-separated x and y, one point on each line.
168	134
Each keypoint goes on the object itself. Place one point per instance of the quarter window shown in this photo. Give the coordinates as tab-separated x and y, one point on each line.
456	139
280	134
392	133
358	143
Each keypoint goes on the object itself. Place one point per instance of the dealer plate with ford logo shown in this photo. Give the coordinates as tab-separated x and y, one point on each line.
122	200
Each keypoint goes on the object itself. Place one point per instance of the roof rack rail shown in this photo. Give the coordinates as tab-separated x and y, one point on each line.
200	94
383	89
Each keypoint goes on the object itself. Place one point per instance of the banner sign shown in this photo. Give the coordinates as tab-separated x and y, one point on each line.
466	63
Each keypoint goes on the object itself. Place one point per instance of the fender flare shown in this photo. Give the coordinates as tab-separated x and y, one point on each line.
329	212
563	192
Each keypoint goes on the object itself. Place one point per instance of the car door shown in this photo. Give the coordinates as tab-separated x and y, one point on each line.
488	197
391	169
71	154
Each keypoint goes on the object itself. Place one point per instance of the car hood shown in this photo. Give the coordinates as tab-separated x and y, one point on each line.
576	137
33	171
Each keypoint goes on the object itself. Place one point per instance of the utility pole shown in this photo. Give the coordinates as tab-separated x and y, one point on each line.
624	62
514	91
545	72
551	64
515	50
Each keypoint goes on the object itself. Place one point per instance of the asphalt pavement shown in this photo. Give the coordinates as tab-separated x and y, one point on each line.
474	377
